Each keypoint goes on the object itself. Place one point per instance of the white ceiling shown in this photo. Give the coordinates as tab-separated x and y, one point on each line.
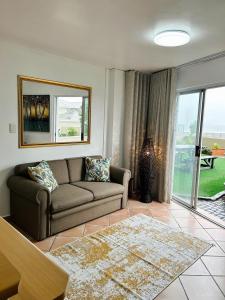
116	33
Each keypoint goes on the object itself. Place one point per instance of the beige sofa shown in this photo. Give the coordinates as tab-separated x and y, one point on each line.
75	201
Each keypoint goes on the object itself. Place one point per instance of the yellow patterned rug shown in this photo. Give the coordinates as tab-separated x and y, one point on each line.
134	259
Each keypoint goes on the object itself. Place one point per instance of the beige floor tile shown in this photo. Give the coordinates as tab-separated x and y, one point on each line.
199	233
100	221
135	203
157	205
73	232
197	268
62	240
215	250
124	212
89	228
184	213
188	222
174	291
168	220
116	219
222	245
217	234
46	244
174	206
161	213
140	210
220	280
206	224
215	265
167	205
201	288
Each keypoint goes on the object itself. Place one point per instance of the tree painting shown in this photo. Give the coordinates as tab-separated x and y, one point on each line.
36	111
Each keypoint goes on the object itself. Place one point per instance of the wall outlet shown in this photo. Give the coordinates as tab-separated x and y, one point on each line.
12	128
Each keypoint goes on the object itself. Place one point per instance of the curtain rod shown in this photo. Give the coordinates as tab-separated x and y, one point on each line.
203	59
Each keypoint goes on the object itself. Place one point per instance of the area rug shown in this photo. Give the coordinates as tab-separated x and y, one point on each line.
134	259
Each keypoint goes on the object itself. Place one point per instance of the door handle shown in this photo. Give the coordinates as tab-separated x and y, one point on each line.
197	151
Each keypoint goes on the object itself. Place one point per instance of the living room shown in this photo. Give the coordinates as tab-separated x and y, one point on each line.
99	178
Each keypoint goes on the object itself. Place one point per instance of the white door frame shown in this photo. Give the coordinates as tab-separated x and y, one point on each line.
198	145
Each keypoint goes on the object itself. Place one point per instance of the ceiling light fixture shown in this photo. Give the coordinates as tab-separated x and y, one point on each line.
172	38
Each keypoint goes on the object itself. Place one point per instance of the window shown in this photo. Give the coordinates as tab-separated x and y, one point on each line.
71	119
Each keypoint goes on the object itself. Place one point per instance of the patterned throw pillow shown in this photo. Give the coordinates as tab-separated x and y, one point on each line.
97	169
43	175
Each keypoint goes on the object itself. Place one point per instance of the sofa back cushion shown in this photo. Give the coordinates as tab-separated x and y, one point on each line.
76	167
59	169
64	170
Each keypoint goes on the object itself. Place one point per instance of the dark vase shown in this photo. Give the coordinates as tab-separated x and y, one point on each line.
147	165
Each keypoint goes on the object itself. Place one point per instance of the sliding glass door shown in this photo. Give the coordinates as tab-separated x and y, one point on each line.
187	147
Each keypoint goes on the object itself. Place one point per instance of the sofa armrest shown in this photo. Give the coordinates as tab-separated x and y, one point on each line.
29	206
28	189
121	176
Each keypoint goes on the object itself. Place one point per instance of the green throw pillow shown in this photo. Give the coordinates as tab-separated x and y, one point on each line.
97	169
43	175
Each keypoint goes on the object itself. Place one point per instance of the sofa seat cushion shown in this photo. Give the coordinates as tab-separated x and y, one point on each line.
101	190
67	196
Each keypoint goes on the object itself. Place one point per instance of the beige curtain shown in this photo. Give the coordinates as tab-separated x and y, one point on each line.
161	116
150	104
137	86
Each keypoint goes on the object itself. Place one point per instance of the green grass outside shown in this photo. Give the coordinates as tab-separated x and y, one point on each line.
211	181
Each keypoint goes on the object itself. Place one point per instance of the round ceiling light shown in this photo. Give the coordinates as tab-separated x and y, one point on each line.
172	38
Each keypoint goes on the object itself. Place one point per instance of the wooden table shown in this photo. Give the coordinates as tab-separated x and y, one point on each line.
207	161
20	261
9	278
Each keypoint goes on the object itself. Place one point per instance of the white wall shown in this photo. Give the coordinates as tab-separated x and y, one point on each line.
115	119
16	59
202	74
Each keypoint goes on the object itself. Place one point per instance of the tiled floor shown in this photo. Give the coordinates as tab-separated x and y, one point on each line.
216	208
204	280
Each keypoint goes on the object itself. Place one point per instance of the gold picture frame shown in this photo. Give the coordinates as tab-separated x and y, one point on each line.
20	80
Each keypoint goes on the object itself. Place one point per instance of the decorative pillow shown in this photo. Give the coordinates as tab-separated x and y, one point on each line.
43	175
97	169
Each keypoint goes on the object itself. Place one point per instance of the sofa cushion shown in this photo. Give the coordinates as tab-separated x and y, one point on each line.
101	190
97	170
43	175
60	170
76	169
67	196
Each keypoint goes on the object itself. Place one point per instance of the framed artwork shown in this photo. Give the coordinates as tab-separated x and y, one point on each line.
36	111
